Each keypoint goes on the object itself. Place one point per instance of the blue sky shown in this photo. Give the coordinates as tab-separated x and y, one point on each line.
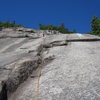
76	14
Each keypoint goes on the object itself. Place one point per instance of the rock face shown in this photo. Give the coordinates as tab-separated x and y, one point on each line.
21	72
19	56
58	61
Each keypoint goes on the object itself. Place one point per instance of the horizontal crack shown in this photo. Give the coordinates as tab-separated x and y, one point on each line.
55	43
84	40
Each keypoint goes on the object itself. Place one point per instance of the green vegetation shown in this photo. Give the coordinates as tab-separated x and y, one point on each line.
95	26
8	24
60	28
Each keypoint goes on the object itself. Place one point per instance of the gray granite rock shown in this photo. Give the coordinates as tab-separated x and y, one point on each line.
21	72
70	67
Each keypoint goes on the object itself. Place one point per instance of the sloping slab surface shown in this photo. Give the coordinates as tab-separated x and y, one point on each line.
74	74
18	58
82	37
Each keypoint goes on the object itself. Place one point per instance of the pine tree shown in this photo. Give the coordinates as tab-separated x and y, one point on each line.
0	25
95	25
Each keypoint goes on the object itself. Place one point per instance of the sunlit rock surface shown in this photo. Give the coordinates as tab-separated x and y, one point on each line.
64	66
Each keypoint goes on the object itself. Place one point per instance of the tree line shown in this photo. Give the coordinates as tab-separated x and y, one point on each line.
61	28
8	24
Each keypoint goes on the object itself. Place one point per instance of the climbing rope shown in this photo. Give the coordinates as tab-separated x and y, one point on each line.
40	66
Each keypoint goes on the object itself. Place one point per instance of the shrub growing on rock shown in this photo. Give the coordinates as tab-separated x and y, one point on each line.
8	24
61	28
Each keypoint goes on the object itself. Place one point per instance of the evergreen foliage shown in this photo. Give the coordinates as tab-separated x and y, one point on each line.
8	24
95	26
61	28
